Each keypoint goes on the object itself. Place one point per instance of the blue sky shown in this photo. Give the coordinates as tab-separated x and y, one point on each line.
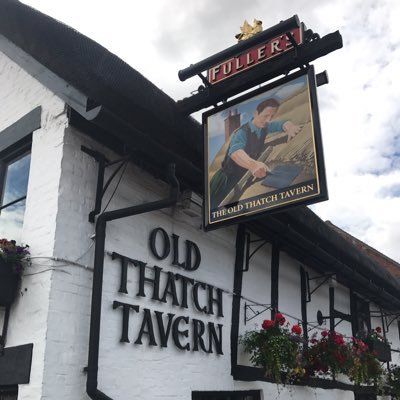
359	111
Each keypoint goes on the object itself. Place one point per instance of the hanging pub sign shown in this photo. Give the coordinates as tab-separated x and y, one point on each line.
261	53
263	152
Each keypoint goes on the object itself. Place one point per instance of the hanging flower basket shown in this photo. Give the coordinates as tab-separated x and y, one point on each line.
378	344
13	260
276	348
381	350
9	282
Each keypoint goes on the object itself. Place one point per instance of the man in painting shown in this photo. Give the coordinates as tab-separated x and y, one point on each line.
246	146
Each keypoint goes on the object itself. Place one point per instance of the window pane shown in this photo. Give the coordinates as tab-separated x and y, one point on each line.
11	219
16	179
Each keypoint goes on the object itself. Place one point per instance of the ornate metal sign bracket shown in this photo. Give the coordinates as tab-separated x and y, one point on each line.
101	188
254	312
248	255
325	278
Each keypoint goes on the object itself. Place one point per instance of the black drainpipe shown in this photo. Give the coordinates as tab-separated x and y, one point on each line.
94	335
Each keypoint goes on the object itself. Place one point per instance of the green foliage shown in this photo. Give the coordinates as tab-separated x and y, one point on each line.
393	382
279	351
365	367
275	348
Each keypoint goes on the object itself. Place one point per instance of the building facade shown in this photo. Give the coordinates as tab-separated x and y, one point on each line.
146	304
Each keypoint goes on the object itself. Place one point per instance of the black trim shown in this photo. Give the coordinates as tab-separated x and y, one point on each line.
237	290
303	289
275	278
15	365
227	395
21	129
251	374
12	154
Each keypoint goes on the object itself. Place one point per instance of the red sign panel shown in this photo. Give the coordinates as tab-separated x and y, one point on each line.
257	55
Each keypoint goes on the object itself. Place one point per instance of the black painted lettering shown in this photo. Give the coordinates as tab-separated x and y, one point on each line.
211	300
170	290
191	247
162	330
166	245
175	251
146	329
124	272
125	318
155	282
198	332
176	333
185	281
215	338
196	296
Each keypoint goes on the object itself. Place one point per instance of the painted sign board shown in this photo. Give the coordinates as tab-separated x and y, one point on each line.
254	56
263	152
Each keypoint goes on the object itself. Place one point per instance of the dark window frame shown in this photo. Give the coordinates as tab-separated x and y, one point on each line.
227	395
6	158
9	392
362	396
360	314
15	142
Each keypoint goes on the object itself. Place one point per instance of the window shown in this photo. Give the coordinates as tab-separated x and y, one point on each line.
15	144
14	175
247	395
361	319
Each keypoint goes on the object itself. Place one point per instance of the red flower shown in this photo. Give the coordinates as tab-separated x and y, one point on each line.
324	333
296	329
339	340
280	319
378	329
268	324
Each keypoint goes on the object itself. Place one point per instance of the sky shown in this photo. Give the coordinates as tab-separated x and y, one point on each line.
359	108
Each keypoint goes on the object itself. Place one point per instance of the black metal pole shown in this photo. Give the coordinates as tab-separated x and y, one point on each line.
95	317
331	308
275	278
303	286
237	290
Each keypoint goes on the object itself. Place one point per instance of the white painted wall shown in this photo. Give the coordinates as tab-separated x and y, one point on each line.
20	94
